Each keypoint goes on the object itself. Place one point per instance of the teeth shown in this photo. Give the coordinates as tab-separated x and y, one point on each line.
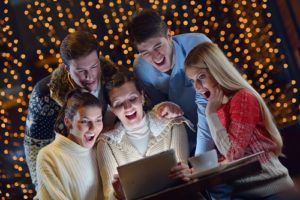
130	114
159	61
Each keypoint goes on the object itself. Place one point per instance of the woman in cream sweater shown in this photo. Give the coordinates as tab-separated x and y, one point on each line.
67	168
138	134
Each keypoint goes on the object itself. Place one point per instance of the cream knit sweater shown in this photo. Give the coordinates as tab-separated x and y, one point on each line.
66	170
114	147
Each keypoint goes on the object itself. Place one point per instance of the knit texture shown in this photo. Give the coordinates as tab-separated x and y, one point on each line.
66	170
238	131
114	148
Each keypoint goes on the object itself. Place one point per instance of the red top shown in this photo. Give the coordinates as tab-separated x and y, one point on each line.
242	118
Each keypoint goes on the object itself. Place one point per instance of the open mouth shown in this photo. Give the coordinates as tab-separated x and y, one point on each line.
206	94
161	62
131	116
89	137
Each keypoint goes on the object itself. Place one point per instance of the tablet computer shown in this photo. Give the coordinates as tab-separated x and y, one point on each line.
148	175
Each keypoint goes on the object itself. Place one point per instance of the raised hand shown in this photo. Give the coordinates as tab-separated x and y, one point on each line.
214	100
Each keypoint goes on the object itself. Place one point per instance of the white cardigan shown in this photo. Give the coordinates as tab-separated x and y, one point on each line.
114	147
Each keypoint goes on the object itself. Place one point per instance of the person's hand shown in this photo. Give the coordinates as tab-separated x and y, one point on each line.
181	171
118	190
168	110
214	100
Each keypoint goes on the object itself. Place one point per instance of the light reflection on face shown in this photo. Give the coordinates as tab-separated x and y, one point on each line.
86	71
127	103
157	51
203	81
85	126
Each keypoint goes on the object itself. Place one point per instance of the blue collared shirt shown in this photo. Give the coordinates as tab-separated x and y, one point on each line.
176	87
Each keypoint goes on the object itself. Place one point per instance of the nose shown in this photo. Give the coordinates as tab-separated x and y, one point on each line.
88	75
154	53
91	126
198	85
127	104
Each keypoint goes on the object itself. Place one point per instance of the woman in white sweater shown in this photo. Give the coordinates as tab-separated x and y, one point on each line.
138	134
67	168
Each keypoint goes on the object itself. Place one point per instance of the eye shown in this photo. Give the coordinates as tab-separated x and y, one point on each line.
201	76
99	120
133	99
117	105
158	46
145	54
84	121
81	72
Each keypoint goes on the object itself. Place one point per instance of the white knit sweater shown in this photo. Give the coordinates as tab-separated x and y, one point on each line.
114	148
66	170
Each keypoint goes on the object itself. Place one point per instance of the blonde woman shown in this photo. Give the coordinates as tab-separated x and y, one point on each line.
239	121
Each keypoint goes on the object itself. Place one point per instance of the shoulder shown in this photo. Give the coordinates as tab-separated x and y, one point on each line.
191	39
243	94
144	70
41	104
244	97
113	136
47	154
41	87
60	85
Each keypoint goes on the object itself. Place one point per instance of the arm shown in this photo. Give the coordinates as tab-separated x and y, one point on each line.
179	142
107	166
204	138
244	116
49	185
42	113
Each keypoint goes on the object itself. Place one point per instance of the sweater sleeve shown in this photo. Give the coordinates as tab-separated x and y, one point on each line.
179	142
244	115
107	166
49	185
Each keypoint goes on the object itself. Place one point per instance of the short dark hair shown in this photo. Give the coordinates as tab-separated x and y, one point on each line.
144	25
119	78
77	44
75	100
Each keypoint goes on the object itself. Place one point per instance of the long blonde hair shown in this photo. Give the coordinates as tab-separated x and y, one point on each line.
211	56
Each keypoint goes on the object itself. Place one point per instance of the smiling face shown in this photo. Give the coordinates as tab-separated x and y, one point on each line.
85	71
127	103
157	51
202	80
85	126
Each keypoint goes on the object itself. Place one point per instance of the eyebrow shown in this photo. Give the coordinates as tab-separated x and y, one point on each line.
93	65
132	93
157	44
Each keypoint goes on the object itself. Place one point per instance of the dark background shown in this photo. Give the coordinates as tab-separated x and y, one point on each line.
263	46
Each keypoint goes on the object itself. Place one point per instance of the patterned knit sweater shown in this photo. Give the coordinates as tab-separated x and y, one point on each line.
238	130
66	170
114	147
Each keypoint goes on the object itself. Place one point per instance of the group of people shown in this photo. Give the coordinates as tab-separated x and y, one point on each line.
91	115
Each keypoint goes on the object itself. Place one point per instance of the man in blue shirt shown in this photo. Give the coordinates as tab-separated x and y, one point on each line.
160	70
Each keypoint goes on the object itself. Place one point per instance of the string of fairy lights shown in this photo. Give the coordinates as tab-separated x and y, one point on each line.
241	28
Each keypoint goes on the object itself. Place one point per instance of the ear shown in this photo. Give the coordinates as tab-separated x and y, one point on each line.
169	35
68	122
66	67
143	97
112	110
